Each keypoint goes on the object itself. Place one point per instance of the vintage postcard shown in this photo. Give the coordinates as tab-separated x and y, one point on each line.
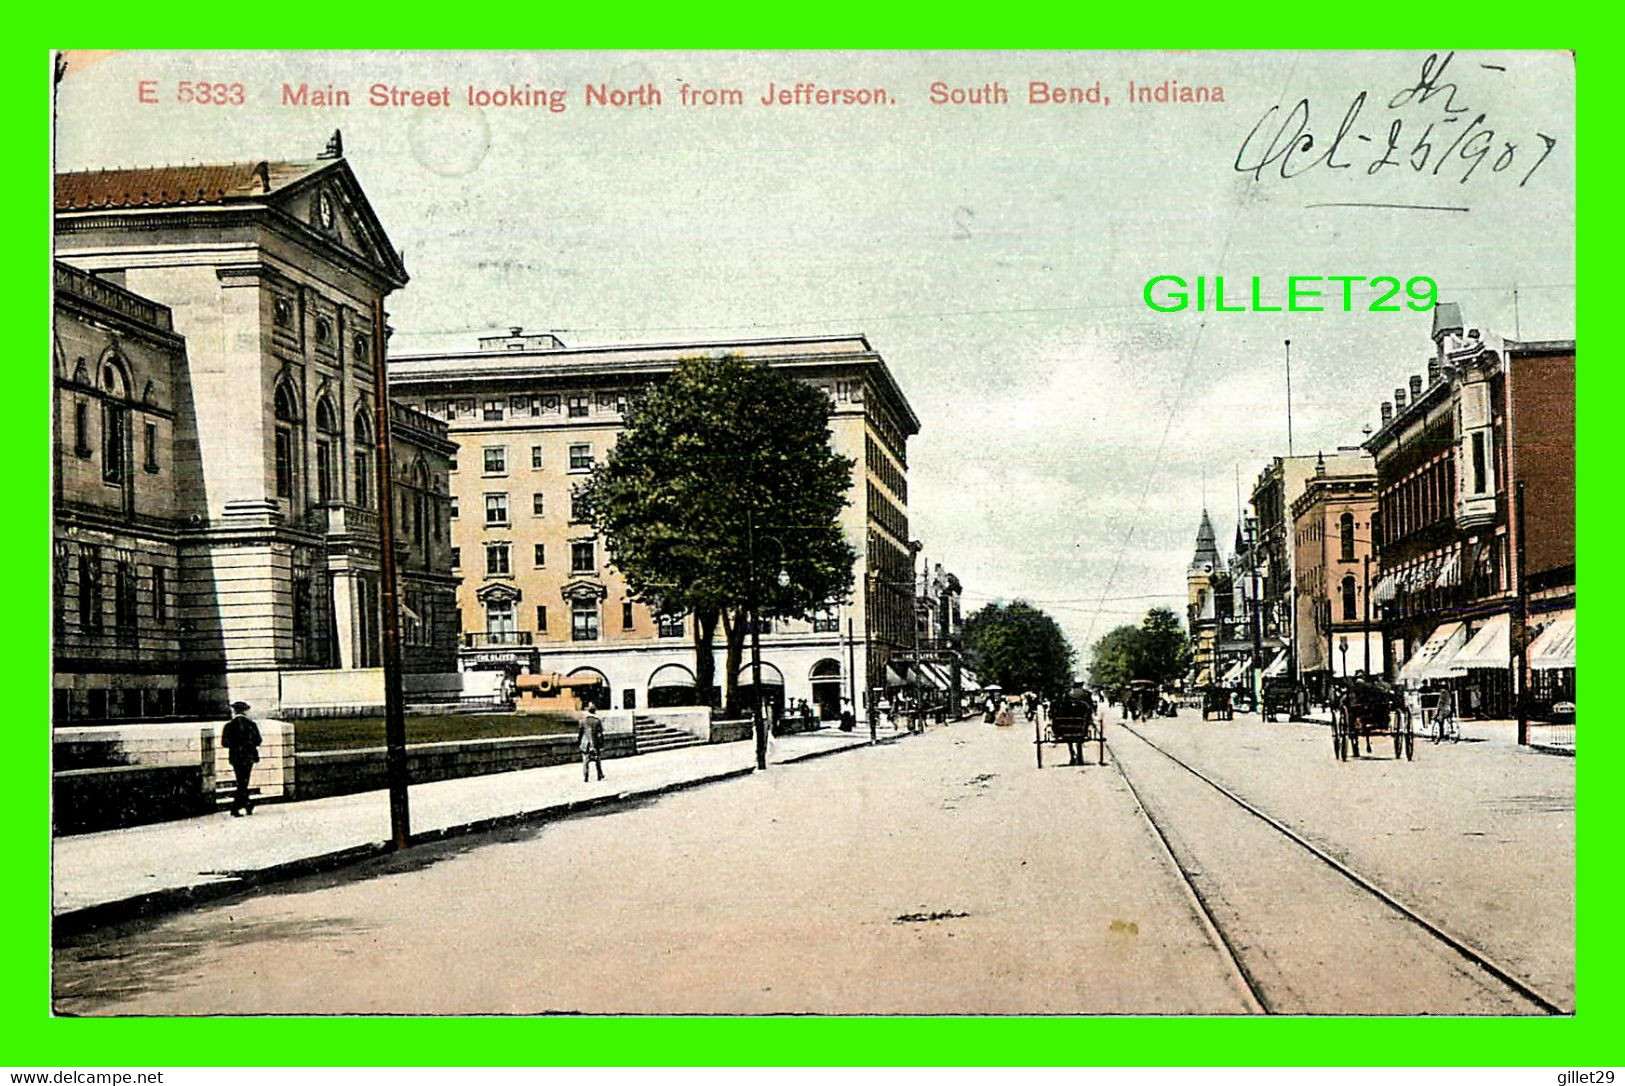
873	533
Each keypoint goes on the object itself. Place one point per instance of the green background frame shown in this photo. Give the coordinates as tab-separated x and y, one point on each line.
36	1039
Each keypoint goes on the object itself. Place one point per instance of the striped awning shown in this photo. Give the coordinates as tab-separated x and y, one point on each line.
1277	665
1234	675
1490	648
1554	647
1432	660
1449	574
1386	588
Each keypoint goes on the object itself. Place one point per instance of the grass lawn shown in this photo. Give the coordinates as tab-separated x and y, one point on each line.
350	733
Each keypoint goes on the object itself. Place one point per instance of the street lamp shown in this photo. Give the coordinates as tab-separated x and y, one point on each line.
756	633
1343	647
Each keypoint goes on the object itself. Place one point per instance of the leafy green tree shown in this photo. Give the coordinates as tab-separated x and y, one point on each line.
722	490
1164	649
1114	659
1019	647
1157	649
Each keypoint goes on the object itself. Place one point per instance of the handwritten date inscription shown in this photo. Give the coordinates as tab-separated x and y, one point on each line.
1427	132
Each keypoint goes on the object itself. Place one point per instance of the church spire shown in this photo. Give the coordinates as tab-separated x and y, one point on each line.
1207	548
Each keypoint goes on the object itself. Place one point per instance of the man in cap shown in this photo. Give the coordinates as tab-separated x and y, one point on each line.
241	738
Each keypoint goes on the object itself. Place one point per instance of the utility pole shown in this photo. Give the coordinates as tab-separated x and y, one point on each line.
1258	629
1520	629
852	675
1289	397
1366	633
755	643
400	822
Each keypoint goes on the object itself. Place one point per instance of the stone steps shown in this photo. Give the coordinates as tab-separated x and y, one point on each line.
651	736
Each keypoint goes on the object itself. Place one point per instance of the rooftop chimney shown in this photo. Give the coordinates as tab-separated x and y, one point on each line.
1399	399
1416	387
1387	412
1435	373
1447	320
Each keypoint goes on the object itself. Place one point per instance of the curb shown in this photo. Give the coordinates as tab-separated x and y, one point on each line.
158	902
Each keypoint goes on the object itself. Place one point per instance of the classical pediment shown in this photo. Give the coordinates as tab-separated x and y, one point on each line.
329	204
583	588
499	592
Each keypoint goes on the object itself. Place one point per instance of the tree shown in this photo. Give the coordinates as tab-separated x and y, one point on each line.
1020	648
1157	649
722	491
1165	650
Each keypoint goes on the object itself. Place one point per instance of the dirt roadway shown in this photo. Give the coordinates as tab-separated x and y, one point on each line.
941	874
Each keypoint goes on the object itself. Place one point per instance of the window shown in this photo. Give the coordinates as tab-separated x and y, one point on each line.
519	405
324	331
626	614
81	428
149	444
90	587
124	597
539	555
1345	531
115	420
1349	612
583	557
1478	462
536	457
580	457
584	620
160	594
578	407
453	507
499	619
575	511
282	312
496	509
496	560
456	557
826	620
324	471
496	459
287	418
536	406
538	505
493	411
360	347
541	618
363	460
670	625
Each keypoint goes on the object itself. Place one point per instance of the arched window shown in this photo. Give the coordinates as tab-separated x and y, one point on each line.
287	447
1345	531
115	421
1349	612
363	459
329	453
420	505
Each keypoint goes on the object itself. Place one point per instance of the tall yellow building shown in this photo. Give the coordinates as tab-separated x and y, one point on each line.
531	418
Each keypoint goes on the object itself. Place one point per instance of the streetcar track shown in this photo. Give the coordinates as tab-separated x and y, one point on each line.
1210	922
1454	942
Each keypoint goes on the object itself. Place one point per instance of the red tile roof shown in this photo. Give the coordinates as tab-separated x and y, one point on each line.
178	186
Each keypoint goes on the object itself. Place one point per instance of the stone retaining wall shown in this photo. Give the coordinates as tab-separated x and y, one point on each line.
342	772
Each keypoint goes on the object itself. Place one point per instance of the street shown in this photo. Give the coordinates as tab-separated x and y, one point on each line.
938	874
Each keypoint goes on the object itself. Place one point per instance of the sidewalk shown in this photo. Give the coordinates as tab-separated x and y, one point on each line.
102	877
1547	738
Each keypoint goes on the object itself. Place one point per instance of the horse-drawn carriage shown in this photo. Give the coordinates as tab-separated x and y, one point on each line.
1367	707
1072	720
1140	700
1216	702
1281	697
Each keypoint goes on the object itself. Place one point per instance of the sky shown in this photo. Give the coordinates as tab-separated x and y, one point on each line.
996	254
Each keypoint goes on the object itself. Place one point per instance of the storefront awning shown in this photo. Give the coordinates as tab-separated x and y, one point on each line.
1277	665
1432	660
1489	649
1554	647
931	675
968	680
1386	588
1449	572
1234	675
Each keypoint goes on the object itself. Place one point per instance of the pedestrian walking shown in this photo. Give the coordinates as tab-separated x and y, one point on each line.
590	738
241	738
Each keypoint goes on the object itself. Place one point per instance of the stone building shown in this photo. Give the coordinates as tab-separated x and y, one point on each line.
1459	589
532	416
1209	604
217	332
1338	631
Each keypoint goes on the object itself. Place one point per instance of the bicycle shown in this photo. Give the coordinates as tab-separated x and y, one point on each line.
1445	727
